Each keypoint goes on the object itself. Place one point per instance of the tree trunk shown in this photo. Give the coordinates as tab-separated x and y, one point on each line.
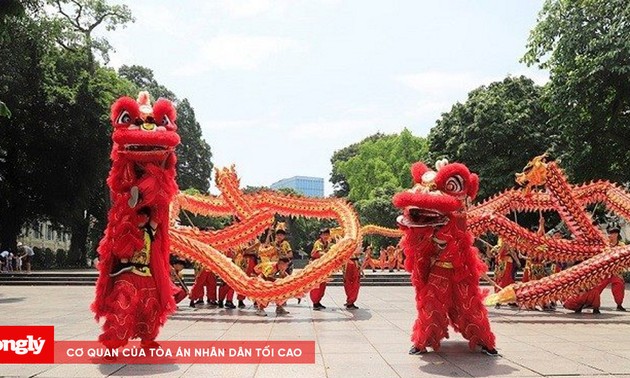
78	242
10	230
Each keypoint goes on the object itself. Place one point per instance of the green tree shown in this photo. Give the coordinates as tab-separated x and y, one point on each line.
584	45
373	170
382	163
90	90
340	185
194	167
22	74
57	142
76	20
497	130
4	110
144	79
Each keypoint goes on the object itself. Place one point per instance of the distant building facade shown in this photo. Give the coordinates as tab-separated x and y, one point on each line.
43	236
307	186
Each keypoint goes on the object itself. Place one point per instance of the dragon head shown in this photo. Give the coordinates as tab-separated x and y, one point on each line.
142	132
534	174
436	195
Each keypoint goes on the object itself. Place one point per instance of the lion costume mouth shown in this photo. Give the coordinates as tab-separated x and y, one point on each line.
419	217
144	148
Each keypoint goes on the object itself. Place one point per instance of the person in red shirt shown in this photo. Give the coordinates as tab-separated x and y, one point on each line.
226	293
352	281
506	262
592	298
271	271
204	279
321	246
617	283
180	290
246	259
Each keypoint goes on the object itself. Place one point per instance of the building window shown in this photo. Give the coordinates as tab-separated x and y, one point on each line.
49	233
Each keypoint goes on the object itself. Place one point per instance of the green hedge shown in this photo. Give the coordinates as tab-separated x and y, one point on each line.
45	259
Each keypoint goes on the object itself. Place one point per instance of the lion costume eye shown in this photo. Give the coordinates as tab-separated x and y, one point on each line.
165	121
124	118
454	184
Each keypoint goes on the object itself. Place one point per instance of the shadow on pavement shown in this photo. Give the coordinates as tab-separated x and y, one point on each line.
455	356
140	370
536	317
12	299
248	316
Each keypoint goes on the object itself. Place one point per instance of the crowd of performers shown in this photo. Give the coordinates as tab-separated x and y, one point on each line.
506	261
273	260
390	258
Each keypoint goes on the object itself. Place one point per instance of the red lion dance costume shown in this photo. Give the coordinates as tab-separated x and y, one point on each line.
445	267
134	292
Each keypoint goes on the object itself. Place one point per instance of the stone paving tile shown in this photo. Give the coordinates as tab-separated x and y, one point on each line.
220	371
332	347
372	341
176	370
357	365
315	370
557	366
81	371
489	366
19	370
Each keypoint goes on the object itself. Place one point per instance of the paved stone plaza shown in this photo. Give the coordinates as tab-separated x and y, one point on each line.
370	342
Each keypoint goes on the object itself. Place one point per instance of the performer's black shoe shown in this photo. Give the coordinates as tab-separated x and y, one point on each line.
417	351
512	305
497	306
620	308
318	306
120	268
596	311
220	304
199	302
229	305
489	352
351	307
579	310
212	304
299	300
241	304
192	304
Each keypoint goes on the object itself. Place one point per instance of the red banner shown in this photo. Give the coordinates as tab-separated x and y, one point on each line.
200	352
27	344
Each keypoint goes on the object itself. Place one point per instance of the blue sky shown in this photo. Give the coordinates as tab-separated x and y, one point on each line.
278	86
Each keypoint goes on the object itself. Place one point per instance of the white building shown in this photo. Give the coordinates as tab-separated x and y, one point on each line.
43	236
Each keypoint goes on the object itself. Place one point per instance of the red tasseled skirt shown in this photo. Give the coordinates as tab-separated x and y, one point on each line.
133	307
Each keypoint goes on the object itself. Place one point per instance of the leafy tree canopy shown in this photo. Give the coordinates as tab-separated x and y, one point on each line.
584	45
497	130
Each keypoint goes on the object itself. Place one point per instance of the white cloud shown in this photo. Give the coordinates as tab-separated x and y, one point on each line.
331	129
240	52
238	9
245	8
539	77
444	82
429	108
436	83
241	125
